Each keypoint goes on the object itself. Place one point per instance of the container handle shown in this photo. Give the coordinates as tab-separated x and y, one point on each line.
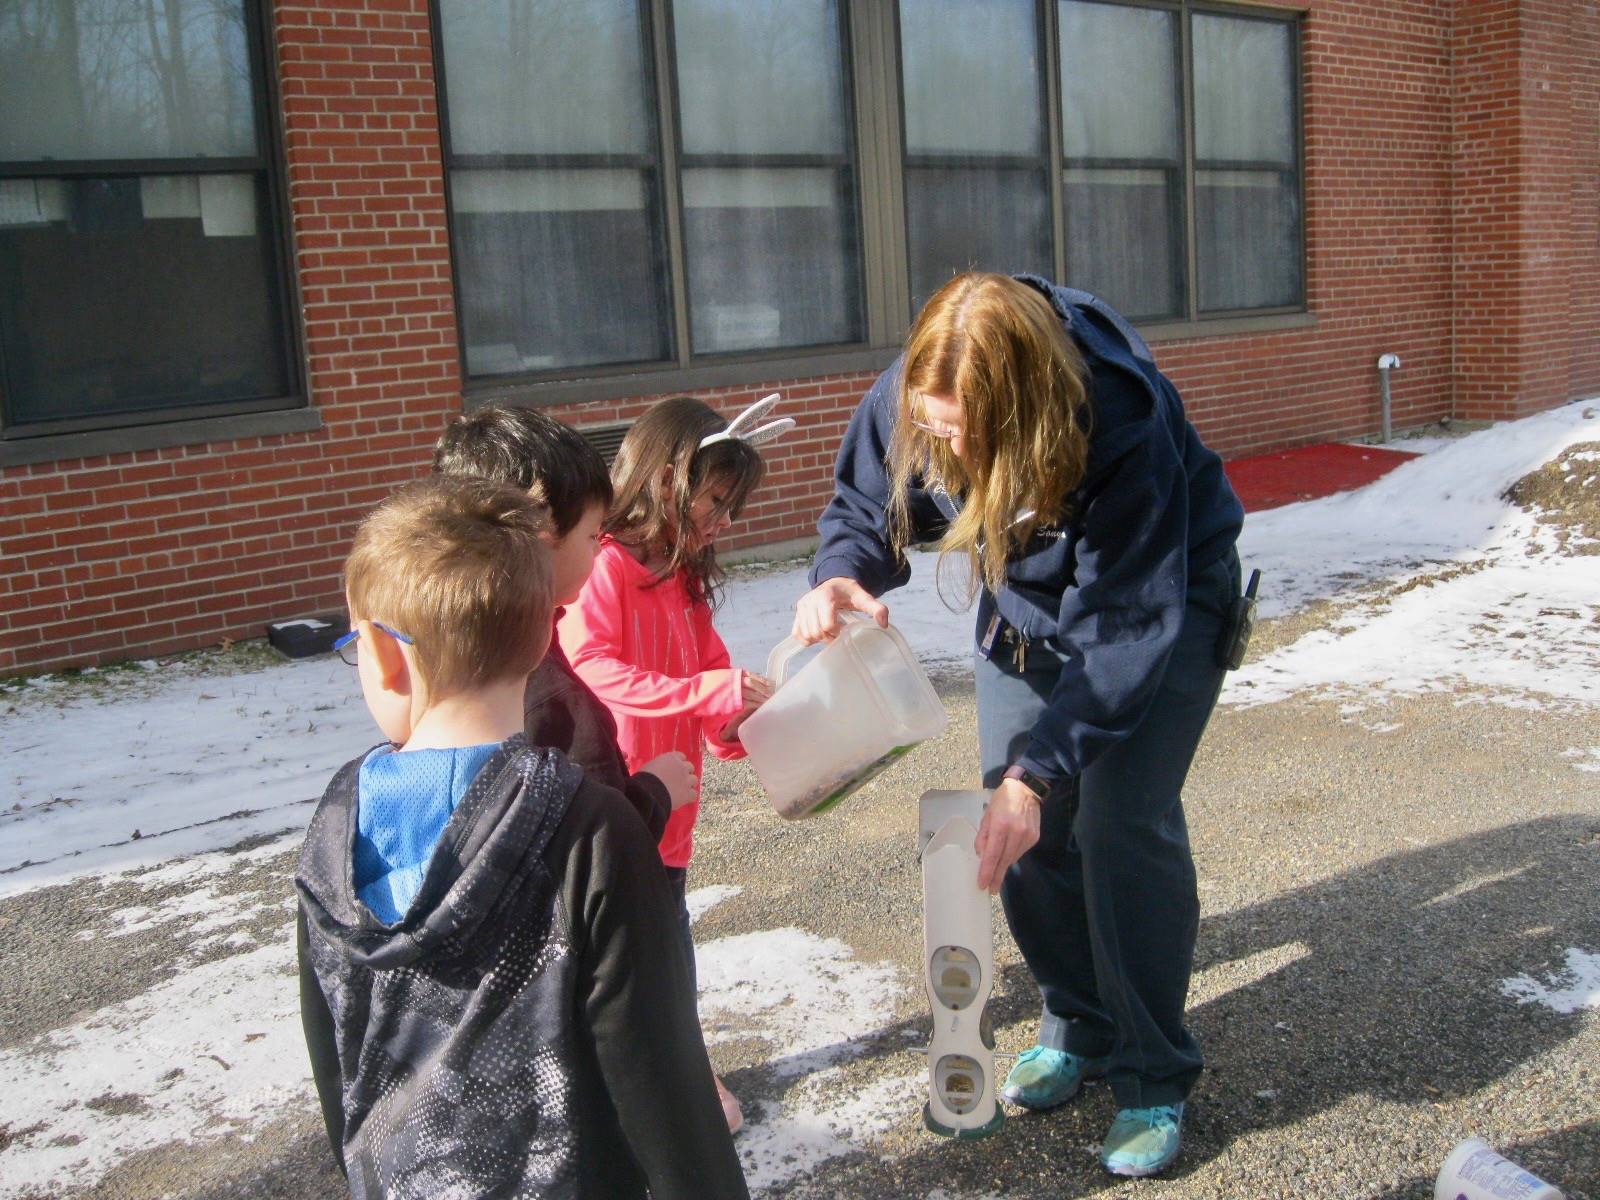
783	653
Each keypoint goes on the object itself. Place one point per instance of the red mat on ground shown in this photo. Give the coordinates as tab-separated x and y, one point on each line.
1308	472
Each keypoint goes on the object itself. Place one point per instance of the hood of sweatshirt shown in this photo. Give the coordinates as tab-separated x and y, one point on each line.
493	837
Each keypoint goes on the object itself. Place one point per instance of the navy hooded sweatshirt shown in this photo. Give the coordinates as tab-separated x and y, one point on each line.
1107	586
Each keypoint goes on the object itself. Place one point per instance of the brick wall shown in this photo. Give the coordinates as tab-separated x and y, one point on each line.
1452	217
162	550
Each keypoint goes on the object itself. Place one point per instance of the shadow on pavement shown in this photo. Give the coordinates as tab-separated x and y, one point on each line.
1383	982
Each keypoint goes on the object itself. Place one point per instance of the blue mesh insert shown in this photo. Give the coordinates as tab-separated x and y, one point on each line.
404	801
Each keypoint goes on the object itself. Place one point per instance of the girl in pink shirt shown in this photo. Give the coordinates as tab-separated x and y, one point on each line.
640	634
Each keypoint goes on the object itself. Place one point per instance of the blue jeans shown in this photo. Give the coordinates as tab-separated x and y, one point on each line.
1104	908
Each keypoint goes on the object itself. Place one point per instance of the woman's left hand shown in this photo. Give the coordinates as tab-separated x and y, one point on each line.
1009	830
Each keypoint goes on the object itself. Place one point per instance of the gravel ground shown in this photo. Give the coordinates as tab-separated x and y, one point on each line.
1367	880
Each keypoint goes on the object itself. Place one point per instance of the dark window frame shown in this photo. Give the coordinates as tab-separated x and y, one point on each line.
175	425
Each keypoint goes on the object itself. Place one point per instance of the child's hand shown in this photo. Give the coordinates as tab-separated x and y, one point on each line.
674	770
757	691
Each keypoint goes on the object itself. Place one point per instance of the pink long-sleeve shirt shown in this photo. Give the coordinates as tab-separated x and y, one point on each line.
649	651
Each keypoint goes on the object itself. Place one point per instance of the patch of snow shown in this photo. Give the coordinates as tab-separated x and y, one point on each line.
820	1120
1576	987
216	1049
1589	760
1490	607
806	996
703	900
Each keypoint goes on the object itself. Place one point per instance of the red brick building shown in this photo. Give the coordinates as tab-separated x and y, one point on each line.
252	255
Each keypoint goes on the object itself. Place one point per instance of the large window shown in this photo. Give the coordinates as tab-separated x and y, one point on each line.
140	263
1176	181
641	183
703	190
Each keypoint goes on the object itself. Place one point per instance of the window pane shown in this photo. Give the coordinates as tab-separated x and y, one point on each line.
1119	82
1124	238
1247	224
559	261
1247	207
769	226
545	77
1122	139
771	258
107	79
1243	98
981	219
556	268
973	99
971	77
760	77
136	294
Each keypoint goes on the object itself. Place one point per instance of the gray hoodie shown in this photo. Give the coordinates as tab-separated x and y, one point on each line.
527	1027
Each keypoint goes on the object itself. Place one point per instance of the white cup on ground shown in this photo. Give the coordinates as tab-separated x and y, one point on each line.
1473	1171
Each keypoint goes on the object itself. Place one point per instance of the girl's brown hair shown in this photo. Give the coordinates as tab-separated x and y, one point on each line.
997	347
656	520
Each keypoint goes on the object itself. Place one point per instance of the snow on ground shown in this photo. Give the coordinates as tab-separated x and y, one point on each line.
184	765
1476	593
1577	987
200	763
217	1050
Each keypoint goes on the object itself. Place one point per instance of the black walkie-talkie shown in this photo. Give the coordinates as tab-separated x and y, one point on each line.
1236	630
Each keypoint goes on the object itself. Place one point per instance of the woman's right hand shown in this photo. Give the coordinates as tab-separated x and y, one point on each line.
816	614
677	773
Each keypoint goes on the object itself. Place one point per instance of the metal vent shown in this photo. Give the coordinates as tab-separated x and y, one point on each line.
606	438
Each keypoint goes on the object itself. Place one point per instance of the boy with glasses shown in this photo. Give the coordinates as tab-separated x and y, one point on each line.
488	942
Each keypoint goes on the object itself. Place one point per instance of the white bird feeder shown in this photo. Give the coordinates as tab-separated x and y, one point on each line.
958	968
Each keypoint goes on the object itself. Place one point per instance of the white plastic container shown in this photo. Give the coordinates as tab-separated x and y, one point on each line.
1475	1172
846	715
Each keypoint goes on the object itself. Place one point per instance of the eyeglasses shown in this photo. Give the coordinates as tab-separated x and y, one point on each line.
944	433
346	646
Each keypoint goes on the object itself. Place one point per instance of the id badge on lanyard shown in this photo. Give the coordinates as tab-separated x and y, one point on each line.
991	635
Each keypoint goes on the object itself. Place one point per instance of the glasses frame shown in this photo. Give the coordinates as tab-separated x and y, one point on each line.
348	639
943	433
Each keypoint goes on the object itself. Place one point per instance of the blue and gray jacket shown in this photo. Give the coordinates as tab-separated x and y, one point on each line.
1108	584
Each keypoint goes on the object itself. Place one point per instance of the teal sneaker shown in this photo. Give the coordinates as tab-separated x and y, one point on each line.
1043	1078
1143	1141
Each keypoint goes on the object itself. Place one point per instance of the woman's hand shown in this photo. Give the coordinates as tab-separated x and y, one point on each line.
816	614
1009	830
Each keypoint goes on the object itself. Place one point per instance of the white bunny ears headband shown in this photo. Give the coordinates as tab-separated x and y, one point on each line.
743	428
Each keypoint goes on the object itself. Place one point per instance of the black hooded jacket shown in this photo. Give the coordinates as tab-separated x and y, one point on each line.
527	1028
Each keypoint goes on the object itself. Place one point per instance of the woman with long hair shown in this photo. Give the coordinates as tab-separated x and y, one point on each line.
1028	432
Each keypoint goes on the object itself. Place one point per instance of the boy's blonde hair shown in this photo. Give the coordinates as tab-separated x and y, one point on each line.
458	566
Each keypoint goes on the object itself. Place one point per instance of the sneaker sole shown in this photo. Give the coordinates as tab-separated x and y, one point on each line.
1138	1172
1129	1171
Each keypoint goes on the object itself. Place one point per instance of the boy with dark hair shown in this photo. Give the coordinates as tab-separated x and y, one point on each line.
564	475
492	939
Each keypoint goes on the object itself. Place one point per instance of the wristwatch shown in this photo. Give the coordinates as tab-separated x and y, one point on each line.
1038	785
